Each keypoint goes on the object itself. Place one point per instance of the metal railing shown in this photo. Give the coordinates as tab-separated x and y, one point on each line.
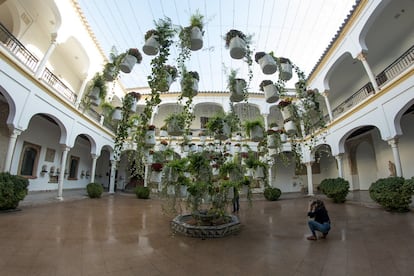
57	84
389	73
18	49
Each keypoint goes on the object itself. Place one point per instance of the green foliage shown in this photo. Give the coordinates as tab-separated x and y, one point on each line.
249	125
272	193
13	188
233	33
99	81
393	193
94	190
335	188
142	192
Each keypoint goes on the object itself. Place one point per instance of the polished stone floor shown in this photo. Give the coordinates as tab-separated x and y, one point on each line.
122	235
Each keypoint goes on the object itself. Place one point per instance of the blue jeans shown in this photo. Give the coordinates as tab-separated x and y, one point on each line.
321	227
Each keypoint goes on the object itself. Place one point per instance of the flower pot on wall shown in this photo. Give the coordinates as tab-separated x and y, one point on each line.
224	133
127	63
267	64
156	176
271	93
237	48
151	46
237	94
196	39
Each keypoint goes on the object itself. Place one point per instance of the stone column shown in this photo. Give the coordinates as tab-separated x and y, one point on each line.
362	57
112	177
94	157
339	163
309	174
265	116
81	91
42	64
62	171
10	149
396	154
328	105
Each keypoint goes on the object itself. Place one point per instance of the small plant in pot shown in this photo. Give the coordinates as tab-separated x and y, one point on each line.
272	193
237	87
170	76
111	68
267	62
236	41
151	46
192	35
189	84
132	57
254	130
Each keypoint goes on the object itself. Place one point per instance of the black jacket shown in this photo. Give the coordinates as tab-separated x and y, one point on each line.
320	215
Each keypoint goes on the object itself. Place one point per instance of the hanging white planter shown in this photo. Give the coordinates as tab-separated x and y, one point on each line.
285	71
194	89
237	48
290	127
151	46
237	94
149	158
150	138
283	137
174	129
271	93
268	64
183	190
203	138
117	115
134	105
256	134
286	113
167	85
259	173
96	102
127	63
196	39
271	141
110	74
94	95
163	133
225	132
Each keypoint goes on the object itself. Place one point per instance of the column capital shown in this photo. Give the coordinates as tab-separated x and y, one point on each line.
325	93
393	142
362	56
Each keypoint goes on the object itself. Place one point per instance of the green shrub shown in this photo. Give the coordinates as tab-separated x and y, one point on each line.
335	188
393	193
94	190
142	192
272	193
13	188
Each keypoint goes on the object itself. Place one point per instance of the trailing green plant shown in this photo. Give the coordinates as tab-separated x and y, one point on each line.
13	189
393	193
249	125
335	188
94	190
272	193
98	81
142	192
196	20
111	68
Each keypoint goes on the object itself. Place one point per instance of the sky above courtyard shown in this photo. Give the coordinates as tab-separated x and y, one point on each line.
300	30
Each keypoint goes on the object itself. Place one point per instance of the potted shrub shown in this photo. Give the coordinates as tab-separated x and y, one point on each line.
142	192
132	57
111	68
218	127
175	124
192	36
98	89
236	42
135	97
13	189
272	193
171	76
393	193
151	46
270	90
94	190
254	130
335	188
267	62
237	87
189	84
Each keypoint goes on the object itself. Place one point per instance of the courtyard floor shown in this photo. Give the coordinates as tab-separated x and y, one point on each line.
122	235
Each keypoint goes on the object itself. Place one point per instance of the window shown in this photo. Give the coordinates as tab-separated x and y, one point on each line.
73	168
203	122
29	160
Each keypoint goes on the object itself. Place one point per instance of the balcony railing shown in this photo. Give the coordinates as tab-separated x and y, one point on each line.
18	49
389	73
57	84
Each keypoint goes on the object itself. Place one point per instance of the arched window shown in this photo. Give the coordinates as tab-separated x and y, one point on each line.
29	160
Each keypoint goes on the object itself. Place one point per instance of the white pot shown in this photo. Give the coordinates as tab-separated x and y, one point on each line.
151	46
163	133
290	127
236	149
168	83
237	48
96	102
286	114
149	158
256	134
225	132
117	115
203	138
237	94
259	173
94	95
271	93
268	64
155	177
196	39
127	63
194	90
134	105
286	71
271	141
150	138
283	137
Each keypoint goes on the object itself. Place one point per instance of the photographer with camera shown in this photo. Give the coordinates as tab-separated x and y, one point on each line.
320	222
